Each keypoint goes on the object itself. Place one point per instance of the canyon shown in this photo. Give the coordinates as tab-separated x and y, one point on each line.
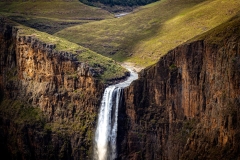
186	106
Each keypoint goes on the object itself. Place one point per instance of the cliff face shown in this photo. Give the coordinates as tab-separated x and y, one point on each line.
187	105
56	88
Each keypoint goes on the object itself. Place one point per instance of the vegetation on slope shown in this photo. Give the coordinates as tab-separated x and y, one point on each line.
19	112
148	33
54	9
108	67
51	16
221	34
24	128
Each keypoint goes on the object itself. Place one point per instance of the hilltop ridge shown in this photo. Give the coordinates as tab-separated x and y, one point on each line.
149	32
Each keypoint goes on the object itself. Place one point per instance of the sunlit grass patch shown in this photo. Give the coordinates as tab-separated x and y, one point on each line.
151	31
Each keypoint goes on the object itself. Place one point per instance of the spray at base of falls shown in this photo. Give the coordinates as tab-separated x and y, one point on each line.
105	146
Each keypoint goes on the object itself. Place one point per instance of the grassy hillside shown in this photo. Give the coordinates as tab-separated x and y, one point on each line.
109	68
54	9
149	32
51	16
220	35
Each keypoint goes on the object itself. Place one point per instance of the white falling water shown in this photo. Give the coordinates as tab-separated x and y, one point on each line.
106	133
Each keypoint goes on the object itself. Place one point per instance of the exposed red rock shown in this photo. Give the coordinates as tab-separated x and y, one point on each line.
62	88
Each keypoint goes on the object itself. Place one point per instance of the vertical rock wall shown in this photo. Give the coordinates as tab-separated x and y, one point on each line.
186	106
58	86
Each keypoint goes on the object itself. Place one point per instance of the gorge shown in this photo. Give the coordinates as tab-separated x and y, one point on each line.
186	106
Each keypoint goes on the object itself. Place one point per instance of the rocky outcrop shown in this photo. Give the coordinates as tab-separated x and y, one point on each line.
53	85
187	105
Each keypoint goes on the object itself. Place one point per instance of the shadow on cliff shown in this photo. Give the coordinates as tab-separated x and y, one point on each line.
1	94
131	41
167	102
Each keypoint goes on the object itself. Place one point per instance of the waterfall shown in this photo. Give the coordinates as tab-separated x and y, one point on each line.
105	140
106	132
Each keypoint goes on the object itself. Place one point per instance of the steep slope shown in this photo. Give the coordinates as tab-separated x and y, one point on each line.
49	95
51	16
187	105
150	31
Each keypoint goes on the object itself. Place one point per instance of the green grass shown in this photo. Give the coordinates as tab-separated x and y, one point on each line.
56	15
51	16
145	35
106	67
222	33
45	24
74	9
141	37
